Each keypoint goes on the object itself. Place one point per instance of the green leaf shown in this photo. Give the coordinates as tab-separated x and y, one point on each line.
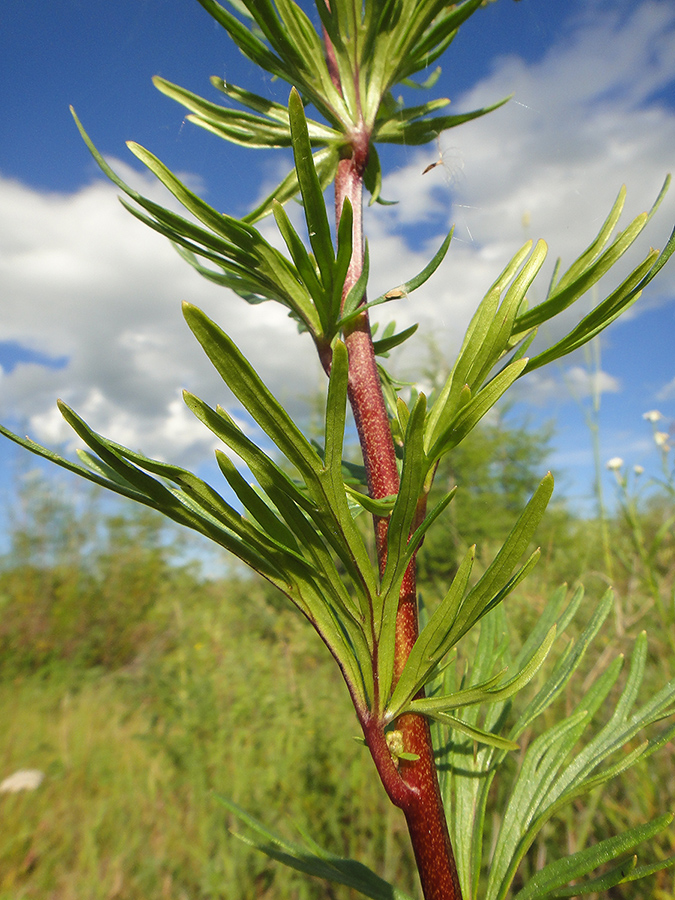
340	524
246	130
430	267
556	874
372	178
497	338
350	308
546	757
607	311
427	84
251	266
568	662
645	871
471	412
293	505
198	507
272	272
251	500
386	344
497	580
343	260
353	306
479	735
310	188
268	475
417	536
94	470
413	473
305	41
381	507
276	111
256	399
431	645
302	261
474	360
594	249
422	131
489	691
325	163
96	465
250	45
314	860
408	114
592	265
240	127
438	29
614	876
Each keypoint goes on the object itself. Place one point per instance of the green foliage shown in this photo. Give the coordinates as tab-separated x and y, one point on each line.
132	761
295	526
498	466
643	544
82	587
554	771
313	860
459	611
376	47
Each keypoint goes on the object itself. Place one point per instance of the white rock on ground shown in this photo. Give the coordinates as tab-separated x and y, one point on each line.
23	780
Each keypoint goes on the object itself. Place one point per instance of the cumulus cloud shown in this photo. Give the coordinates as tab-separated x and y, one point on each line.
549	388
667	392
584	120
83	281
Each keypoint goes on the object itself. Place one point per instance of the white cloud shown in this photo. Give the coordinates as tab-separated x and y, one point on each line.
548	164
667	392
583	383
552	387
82	279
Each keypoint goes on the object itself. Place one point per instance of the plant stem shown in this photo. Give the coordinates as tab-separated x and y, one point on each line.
411	785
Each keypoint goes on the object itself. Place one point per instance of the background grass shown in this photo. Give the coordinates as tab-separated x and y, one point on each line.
143	688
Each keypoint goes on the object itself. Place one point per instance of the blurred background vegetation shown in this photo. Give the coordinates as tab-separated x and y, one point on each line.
143	681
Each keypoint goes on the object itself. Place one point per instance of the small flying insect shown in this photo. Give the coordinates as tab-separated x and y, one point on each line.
441	161
432	166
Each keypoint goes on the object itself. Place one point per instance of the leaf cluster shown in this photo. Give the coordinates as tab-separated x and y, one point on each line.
503	326
300	533
347	73
309	284
298	529
554	771
560	764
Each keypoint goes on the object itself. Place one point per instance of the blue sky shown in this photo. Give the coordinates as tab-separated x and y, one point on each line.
91	299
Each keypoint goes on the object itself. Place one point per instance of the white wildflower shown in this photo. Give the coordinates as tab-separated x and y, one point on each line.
652	416
661	439
614	463
22	780
638	469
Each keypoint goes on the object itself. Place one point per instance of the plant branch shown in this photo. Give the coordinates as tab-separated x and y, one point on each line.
411	784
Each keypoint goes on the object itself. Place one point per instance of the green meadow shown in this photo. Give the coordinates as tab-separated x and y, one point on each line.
145	681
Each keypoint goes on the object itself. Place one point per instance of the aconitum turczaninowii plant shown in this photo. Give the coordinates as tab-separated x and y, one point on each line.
297	524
